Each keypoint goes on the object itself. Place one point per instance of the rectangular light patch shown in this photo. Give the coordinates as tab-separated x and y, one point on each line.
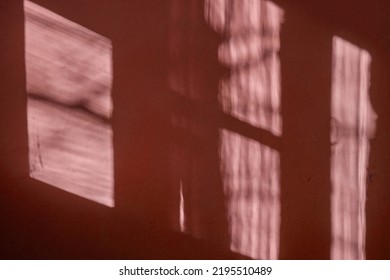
69	106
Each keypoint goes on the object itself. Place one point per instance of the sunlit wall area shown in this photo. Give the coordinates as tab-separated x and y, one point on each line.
250	173
69	107
251	93
250	47
352	125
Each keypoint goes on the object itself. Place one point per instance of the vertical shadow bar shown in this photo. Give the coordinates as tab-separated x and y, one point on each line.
305	153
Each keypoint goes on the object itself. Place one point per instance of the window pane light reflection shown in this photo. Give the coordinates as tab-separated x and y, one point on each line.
250	174
69	106
250	49
250	170
353	124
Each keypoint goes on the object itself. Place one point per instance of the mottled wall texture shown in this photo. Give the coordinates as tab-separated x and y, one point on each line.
194	129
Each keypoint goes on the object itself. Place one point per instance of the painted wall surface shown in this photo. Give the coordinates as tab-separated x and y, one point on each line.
174	141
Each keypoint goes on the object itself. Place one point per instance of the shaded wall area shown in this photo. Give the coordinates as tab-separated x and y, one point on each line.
166	138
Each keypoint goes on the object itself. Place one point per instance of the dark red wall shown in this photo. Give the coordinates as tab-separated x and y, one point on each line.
39	221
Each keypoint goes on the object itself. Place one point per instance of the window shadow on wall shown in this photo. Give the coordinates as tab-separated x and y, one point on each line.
69	76
203	167
224	73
